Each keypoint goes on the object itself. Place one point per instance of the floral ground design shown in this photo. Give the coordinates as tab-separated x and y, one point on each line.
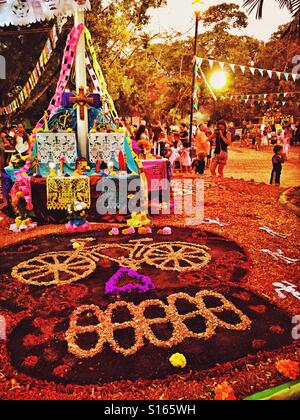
39	346
38	317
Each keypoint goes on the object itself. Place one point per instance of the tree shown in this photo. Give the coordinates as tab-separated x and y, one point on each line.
292	5
117	30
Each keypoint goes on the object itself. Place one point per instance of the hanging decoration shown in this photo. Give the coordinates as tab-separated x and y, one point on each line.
262	96
36	74
281	75
62	191
25	12
67	63
100	80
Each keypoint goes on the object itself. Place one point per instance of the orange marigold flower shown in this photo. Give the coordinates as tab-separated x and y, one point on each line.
289	369
224	392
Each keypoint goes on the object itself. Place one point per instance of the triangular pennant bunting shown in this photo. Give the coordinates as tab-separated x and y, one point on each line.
232	66
243	68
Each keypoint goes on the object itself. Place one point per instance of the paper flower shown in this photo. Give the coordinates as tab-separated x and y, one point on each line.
129	231
165	231
140	282
145	144
114	232
224	392
145	231
138	220
289	369
178	360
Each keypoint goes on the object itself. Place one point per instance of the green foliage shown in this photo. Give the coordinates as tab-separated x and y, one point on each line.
151	74
224	17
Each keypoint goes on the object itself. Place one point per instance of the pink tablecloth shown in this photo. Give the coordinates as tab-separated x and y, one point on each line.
156	174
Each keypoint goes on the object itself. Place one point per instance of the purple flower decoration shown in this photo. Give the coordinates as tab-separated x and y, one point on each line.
141	283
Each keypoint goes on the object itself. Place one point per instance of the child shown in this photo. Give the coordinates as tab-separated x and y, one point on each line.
264	141
199	164
277	161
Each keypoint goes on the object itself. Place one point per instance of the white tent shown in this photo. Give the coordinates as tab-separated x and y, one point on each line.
24	12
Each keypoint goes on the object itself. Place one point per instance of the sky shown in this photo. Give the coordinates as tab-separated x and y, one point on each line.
178	15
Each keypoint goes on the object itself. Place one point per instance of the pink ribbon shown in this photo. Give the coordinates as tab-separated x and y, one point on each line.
68	60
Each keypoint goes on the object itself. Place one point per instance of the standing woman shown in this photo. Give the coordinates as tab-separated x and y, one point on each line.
222	139
287	141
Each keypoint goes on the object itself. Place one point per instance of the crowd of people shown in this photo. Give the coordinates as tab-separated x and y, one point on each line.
262	136
205	151
14	144
208	149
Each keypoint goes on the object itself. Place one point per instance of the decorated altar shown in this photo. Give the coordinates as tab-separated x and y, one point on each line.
80	145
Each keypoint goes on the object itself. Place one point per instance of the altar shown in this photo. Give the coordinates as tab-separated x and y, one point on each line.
44	215
50	185
80	151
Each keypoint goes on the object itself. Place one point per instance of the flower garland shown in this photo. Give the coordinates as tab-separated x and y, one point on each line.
143	326
142	283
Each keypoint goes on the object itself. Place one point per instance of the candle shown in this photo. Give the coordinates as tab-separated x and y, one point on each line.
110	166
52	167
98	165
62	162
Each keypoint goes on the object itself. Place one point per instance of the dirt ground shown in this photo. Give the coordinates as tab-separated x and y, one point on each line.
243	207
250	164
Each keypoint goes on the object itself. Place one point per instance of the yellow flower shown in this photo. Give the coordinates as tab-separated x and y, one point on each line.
76	245
70	130
93	130
178	360
18	221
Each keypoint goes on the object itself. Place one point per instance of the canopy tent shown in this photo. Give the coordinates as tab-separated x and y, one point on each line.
24	12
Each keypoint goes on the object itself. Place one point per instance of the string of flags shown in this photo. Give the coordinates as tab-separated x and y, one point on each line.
37	72
262	96
279	98
281	75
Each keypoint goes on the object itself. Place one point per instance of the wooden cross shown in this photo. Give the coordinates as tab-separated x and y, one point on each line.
81	100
